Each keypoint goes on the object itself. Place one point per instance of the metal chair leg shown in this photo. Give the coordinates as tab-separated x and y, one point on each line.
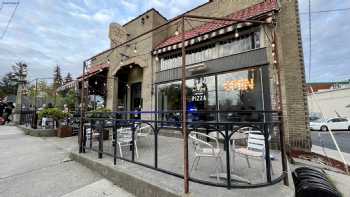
247	159
194	161
197	163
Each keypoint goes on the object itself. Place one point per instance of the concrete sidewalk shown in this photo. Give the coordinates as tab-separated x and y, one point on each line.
35	167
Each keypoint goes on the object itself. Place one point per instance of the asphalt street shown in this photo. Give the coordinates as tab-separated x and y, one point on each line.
324	139
35	167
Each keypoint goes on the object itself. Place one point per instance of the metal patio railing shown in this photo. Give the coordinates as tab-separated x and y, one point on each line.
165	150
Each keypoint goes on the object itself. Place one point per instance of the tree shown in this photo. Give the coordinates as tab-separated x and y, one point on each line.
9	83
57	78
68	78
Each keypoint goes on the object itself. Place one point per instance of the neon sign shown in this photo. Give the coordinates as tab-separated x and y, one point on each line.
239	84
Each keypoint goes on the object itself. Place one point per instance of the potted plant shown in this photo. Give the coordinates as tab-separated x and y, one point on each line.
57	115
103	114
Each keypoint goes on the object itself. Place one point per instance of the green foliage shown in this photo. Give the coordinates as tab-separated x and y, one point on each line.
100	113
53	113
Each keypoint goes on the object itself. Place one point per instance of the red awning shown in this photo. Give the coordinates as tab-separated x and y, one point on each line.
94	70
244	14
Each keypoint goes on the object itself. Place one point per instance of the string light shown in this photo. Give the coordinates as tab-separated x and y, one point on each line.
273	45
135	50
236	33
157	58
177	30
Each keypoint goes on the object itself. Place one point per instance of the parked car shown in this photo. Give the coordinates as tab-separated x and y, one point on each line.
332	123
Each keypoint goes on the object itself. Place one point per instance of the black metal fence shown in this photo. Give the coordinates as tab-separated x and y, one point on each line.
27	117
102	133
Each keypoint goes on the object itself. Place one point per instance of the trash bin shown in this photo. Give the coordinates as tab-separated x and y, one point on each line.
313	182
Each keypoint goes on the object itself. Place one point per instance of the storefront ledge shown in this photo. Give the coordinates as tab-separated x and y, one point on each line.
144	182
38	132
131	183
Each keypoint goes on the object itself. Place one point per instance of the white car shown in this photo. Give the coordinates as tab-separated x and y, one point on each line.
332	123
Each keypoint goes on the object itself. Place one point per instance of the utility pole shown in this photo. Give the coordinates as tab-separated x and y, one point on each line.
22	74
184	117
35	117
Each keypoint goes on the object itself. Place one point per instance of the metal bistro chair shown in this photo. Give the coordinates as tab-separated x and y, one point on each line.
125	139
205	149
255	148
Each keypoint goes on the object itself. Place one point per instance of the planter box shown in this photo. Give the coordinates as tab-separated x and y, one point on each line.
64	132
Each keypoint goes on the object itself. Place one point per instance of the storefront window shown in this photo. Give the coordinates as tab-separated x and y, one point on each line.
241	90
233	91
201	96
169	98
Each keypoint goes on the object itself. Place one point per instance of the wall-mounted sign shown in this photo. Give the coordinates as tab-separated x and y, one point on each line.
239	84
196	68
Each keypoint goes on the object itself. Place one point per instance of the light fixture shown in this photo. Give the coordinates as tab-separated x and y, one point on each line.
269	20
177	29
273	45
95	82
275	61
121	62
157	58
135	50
273	54
108	62
236	33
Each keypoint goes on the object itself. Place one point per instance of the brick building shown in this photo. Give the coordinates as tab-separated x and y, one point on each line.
230	65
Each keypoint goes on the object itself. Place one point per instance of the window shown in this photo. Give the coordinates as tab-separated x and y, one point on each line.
213	51
241	90
232	91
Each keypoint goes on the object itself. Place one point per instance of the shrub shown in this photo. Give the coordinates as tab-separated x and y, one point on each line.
53	113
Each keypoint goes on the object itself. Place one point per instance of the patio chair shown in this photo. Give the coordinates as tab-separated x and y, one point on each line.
124	138
143	131
255	149
205	149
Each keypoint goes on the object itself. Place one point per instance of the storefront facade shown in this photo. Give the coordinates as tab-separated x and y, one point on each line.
230	73
228	67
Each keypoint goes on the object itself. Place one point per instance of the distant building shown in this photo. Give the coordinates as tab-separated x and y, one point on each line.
332	102
322	86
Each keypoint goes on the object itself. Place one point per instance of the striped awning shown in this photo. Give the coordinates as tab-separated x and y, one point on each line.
73	84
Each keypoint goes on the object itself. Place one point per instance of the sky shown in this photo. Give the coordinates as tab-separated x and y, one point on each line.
44	33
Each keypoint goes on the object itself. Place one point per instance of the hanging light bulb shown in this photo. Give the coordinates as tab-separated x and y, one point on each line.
108	62
273	54
236	33
157	58
95	82
275	61
135	50
177	29
121	62
273	45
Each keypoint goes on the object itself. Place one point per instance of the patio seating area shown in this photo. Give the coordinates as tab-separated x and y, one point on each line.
208	156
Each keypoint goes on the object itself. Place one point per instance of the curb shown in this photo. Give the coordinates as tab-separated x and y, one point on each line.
38	132
132	184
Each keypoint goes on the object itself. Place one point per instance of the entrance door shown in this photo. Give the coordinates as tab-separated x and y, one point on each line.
136	99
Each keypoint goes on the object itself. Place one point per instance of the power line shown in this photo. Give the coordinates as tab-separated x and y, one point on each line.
7	3
310	39
10	19
327	11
